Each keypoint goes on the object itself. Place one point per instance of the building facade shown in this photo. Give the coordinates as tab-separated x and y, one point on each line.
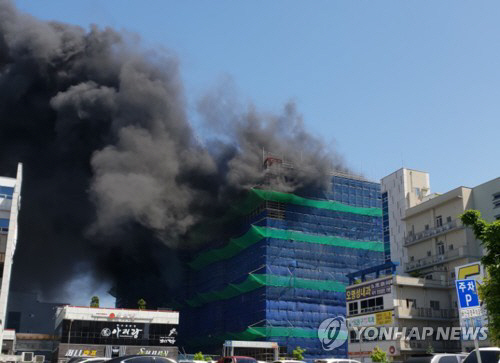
403	189
401	302
284	272
103	332
487	199
436	241
10	203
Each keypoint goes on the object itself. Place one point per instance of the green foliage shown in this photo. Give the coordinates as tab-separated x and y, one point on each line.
379	356
94	302
141	304
199	356
489	234
298	353
430	349
208	358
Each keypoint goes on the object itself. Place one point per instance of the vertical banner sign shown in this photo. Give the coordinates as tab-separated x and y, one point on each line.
469	305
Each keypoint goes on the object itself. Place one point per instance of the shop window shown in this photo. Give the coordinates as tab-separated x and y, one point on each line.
353	308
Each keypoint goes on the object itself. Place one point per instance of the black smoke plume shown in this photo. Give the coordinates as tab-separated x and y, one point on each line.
115	179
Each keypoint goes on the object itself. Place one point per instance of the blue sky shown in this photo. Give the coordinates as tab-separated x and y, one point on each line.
387	83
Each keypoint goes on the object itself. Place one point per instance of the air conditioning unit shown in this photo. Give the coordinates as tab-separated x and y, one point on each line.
27	357
39	358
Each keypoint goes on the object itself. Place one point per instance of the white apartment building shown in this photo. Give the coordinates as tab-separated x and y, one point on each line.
10	198
436	241
403	189
430	244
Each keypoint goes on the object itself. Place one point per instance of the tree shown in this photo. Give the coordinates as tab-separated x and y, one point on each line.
94	302
198	356
379	356
208	358
489	291
141	304
298	353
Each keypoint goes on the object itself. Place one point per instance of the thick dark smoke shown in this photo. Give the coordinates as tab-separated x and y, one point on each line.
115	178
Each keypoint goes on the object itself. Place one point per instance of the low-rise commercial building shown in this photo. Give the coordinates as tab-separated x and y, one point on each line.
402	303
103	332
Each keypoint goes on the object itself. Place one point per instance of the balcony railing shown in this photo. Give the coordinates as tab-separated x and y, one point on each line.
428	313
432	232
436	259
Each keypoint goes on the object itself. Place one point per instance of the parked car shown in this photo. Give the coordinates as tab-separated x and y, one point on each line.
437	358
87	360
288	361
141	358
488	355
237	359
336	360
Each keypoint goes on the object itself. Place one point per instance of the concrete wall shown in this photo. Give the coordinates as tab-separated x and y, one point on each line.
405	188
483	196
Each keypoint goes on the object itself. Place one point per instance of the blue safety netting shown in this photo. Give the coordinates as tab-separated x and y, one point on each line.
222	317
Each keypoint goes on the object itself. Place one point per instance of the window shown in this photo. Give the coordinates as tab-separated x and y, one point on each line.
412	258
353	308
372	304
426	227
448	359
429	277
439	221
411	303
453	275
4	225
429	253
434	305
6	192
440	248
448	219
450	246
138	360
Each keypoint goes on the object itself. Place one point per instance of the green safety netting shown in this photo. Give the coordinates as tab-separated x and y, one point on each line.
256	196
254	281
255	234
260	332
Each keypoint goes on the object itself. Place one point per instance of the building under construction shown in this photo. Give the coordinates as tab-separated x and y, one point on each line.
284	271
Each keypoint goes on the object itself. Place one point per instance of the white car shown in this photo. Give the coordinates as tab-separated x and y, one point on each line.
437	358
336	360
488	355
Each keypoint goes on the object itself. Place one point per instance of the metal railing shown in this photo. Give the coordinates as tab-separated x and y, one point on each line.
439	345
429	313
435	259
432	232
